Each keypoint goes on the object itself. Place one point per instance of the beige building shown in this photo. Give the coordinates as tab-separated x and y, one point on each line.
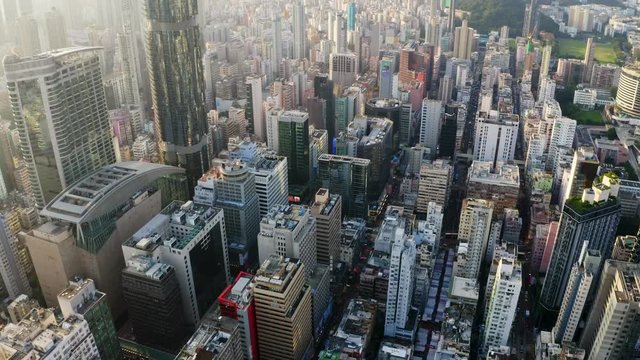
435	178
283	309
90	221
499	183
327	209
473	236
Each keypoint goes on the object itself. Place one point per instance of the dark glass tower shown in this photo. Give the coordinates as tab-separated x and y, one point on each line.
177	84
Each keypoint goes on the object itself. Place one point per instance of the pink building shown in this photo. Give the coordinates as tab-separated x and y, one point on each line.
548	249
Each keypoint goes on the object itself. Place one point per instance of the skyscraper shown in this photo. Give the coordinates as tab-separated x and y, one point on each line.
473	234
323	89
254	110
27	36
177	85
276	50
299	31
236	302
82	299
327	209
578	288
628	96
464	41
496	136
400	290
56	31
293	142
592	219
430	125
349	177
434	185
59	147
343	68
283	309
589	54
13	275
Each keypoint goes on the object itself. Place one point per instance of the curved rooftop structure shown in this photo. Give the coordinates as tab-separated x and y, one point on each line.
105	190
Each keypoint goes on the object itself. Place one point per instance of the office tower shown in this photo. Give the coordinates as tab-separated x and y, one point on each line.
299	31
589	54
192	239
272	182
323	89
343	68
254	112
39	86
575	297
511	226
346	109
318	145
236	302
449	132
56	31
321	298
473	233
8	151
177	85
401	281
626	248
27	37
276	51
503	302
88	223
327	209
128	59
406	124
384	108
593	218
496	135
499	183
339	33
387	66
14	276
217	338
562	134
283	309
628	95
348	177
430	125
273	120
583	172
151	290
230	186
432	24
546	60
612	325
10	14
435	178
289	231
39	335
464	41
293	142
82	299
352	9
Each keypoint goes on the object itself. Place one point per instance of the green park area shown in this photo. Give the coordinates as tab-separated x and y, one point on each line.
588	117
574	49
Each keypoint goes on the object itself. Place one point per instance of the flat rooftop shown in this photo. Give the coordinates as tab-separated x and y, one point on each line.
276	271
503	174
285	216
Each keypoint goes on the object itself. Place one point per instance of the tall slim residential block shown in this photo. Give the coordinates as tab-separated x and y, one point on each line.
435	178
59	147
299	31
254	110
27	36
230	185
89	221
430	124
56	31
578	288
276	50
327	209
272	117
191	238
82	299
401	281
348	177
293	142
289	231
589	55
177	84
464	41
236	302
562	133
14	276
613	323
473	235
343	68
152	292
496	135
283	309
503	303
592	219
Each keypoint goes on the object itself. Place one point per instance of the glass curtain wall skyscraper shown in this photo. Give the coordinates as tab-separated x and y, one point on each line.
177	84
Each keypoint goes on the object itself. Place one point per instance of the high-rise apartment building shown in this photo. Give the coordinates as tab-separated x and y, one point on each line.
589	55
192	239
283	309
593	218
434	185
348	177
88	223
59	147
231	186
628	95
343	68
152	292
276	50
430	125
82	299
299	31
464	41
327	209
503	303
293	142
400	291
56	31
473	234
561	135
575	297
496	135
499	182
27	36
254	108
13	274
236	302
289	231
177	85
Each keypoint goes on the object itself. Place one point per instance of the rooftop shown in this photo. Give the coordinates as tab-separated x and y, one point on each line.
240	292
324	202
504	174
285	216
146	266
276	271
211	336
